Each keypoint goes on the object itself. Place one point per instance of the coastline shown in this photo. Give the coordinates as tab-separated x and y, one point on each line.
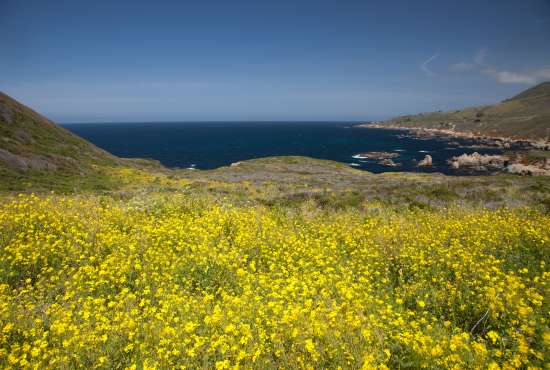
517	154
490	141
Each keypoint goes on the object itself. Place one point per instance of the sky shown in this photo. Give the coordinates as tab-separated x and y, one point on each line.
133	60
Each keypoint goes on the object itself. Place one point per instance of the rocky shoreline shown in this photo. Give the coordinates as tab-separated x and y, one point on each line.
482	140
511	163
512	160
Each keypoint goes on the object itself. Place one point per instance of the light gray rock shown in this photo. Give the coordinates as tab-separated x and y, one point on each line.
479	162
427	161
527	170
376	155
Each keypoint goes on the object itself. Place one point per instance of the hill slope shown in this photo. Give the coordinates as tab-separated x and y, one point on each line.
32	142
525	116
35	153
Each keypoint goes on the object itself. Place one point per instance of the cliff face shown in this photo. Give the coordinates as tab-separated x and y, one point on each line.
524	116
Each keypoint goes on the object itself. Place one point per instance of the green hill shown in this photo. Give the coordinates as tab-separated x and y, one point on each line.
539	91
35	153
33	142
524	116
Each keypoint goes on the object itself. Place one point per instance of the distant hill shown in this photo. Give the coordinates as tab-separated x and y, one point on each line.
540	91
524	116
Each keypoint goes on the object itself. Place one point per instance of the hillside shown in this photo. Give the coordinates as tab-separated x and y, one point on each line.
525	116
32	142
36	152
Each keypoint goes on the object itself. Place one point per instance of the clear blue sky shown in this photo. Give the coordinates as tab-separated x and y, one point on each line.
94	61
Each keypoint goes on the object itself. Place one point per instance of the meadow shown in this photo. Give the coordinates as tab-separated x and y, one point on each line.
164	280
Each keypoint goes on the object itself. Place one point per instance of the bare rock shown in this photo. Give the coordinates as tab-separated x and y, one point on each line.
527	170
23	137
388	162
479	162
427	161
376	155
13	160
41	163
6	114
35	162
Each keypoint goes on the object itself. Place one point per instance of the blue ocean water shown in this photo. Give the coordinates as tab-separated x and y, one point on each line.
208	145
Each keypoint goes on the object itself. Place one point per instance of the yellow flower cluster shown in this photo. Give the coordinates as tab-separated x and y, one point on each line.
169	281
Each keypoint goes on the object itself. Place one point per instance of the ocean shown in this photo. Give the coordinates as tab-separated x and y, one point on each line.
208	145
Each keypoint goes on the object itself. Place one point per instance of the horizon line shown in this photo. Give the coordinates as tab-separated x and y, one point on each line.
220	121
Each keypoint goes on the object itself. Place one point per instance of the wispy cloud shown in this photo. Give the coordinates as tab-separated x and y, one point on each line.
507	77
510	77
477	61
502	76
480	56
425	66
543	73
461	67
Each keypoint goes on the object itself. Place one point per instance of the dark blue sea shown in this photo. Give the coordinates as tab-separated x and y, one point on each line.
208	145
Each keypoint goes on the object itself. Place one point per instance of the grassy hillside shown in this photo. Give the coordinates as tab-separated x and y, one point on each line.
37	154
37	143
525	116
283	262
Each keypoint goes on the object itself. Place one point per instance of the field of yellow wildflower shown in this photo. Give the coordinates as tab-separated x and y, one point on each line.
172	281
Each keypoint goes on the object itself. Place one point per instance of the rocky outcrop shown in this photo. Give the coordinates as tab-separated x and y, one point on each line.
6	114
527	170
376	155
427	161
479	162
388	162
22	163
23	137
13	160
517	164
